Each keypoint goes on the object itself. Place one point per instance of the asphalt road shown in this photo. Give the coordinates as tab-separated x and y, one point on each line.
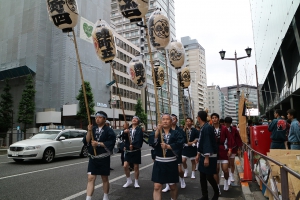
66	178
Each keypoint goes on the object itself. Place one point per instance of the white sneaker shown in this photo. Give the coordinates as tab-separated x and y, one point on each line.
231	178
193	174
128	182
226	186
105	197
167	188
183	185
136	183
186	171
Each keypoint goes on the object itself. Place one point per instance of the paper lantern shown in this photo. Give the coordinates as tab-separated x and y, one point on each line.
104	41
136	71
159	30
63	13
185	78
176	54
134	10
159	76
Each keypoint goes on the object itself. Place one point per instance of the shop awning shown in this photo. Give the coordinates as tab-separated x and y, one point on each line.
15	72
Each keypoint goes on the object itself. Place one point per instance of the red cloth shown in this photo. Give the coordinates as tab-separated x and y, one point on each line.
225	136
237	139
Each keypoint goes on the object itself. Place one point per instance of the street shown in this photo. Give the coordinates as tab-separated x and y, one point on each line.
66	178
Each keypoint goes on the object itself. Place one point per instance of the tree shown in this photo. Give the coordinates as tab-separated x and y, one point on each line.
27	104
82	114
139	111
6	105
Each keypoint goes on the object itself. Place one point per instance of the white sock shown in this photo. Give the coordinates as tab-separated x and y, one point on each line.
88	197
105	196
136	180
229	171
128	179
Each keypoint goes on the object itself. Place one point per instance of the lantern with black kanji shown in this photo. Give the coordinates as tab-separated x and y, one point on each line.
176	54
136	71
63	13
159	30
104	41
134	10
159	75
185	78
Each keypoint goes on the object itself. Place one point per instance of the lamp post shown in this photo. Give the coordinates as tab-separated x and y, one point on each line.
248	52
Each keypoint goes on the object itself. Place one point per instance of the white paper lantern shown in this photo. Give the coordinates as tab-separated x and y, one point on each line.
159	30
185	78
136	71
159	76
63	13
176	54
134	10
104	41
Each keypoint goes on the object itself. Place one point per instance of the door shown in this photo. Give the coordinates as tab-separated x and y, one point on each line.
64	146
76	139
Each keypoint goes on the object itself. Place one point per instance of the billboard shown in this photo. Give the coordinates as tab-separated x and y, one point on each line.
86	29
252	112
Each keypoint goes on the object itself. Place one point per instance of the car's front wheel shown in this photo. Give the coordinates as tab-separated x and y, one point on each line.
48	155
18	160
84	152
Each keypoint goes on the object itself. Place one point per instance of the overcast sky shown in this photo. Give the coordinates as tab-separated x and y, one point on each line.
217	25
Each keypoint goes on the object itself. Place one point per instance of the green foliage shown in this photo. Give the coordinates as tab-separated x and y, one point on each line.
6	105
27	104
140	112
182	123
82	114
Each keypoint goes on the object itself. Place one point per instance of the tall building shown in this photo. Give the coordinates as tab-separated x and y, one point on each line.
195	61
215	101
250	93
276	28
34	46
135	34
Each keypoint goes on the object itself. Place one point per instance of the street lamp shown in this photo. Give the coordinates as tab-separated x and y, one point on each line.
248	52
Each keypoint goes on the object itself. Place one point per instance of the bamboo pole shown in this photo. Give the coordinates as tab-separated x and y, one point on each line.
191	105
149	107
121	102
154	82
168	83
162	100
83	87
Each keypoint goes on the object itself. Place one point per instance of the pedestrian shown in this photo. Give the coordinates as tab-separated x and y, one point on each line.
179	157
122	138
104	142
237	144
165	167
190	149
278	131
222	122
107	123
224	144
207	157
294	134
133	145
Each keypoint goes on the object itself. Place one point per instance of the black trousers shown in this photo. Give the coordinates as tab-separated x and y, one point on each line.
203	182
122	160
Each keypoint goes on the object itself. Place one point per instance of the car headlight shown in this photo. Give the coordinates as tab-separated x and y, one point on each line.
32	147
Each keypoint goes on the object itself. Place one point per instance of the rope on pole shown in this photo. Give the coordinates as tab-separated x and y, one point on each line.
83	87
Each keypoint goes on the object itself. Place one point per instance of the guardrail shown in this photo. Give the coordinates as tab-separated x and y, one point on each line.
284	172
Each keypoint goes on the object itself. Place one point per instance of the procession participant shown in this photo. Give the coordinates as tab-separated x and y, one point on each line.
278	128
237	144
107	123
207	156
221	122
133	151
179	158
190	149
294	133
122	143
99	164
224	144
165	170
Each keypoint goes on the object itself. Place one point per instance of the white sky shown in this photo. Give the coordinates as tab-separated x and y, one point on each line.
217	25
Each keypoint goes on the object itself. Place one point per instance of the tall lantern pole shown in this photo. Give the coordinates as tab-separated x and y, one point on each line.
168	83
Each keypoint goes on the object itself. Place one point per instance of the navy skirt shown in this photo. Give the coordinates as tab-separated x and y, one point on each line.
189	151
165	172
211	169
179	159
99	166
134	157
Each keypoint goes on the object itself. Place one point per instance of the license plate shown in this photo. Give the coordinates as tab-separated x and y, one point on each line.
15	154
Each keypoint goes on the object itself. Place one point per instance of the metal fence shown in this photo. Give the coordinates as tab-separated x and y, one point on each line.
284	173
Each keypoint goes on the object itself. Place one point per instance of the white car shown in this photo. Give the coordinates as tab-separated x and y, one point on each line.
49	144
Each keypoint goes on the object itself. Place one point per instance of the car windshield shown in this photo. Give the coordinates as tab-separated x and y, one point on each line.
46	135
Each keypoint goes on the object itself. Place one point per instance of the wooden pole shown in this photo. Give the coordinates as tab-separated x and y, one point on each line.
83	87
183	109
162	100
154	82
149	106
121	102
191	105
168	83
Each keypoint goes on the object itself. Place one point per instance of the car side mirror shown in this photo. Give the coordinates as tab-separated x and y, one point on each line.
61	138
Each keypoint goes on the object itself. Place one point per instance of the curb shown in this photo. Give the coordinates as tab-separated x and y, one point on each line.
248	195
3	151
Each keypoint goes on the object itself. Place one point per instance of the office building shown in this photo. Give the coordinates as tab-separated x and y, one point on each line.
276	28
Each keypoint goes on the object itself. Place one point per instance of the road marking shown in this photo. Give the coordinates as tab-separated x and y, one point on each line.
110	181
